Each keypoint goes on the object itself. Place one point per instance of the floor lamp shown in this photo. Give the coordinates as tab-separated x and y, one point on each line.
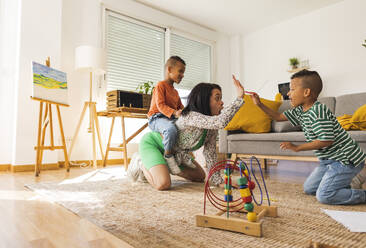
90	59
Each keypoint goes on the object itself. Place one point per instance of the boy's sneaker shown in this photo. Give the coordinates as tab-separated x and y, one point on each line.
172	165
359	179
134	169
185	159
356	183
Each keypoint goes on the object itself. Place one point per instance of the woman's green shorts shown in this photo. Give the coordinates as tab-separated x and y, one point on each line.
151	150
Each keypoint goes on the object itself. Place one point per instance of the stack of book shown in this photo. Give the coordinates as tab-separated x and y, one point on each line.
118	99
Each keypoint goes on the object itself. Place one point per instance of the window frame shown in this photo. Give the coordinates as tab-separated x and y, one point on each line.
168	30
201	40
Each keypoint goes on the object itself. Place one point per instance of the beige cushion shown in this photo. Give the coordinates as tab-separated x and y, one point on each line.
284	127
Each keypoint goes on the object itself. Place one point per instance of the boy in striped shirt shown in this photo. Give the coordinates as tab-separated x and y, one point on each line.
340	156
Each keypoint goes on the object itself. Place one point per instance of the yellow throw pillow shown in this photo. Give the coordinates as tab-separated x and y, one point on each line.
252	119
278	97
345	121
359	118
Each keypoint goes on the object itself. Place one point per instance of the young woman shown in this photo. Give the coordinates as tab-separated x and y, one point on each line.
197	126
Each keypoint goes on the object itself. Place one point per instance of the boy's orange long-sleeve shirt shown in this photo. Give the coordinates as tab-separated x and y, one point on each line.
165	99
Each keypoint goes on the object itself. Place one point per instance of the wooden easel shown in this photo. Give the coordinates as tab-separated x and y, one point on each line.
42	125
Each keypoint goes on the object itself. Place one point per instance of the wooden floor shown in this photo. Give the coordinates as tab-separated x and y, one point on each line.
26	220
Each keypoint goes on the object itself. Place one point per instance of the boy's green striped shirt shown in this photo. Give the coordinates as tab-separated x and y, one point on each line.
319	123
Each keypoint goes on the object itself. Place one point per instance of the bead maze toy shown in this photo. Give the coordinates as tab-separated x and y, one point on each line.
244	204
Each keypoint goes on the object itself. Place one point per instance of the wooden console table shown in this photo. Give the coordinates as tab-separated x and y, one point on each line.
123	112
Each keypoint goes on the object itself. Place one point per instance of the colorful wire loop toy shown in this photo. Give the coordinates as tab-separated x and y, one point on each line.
244	204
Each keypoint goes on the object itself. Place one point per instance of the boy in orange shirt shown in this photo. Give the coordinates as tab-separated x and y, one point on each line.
166	107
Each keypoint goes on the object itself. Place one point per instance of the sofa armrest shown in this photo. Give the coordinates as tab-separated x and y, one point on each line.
223	147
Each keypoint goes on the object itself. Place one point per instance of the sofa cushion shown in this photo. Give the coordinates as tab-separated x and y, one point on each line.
259	147
284	126
290	136
348	104
251	119
329	101
359	136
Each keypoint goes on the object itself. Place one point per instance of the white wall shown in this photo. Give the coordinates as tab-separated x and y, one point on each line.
330	38
62	26
9	50
40	36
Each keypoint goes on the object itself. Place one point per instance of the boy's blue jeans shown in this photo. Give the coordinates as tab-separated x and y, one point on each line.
162	124
330	182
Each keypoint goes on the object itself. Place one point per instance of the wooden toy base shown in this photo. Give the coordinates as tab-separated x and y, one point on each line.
237	224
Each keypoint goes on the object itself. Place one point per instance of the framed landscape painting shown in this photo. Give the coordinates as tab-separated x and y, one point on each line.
49	84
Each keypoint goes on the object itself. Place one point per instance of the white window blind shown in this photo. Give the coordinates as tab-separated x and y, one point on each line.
197	56
135	52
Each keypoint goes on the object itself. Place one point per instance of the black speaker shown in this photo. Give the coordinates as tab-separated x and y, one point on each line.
121	98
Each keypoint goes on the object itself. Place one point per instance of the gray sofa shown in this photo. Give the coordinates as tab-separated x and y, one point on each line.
267	145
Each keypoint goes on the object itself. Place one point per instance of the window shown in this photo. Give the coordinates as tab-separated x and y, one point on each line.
197	56
135	52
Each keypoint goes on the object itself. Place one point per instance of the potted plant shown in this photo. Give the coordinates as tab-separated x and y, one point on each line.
294	62
146	88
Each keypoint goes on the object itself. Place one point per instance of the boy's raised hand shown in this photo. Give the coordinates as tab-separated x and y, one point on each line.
256	99
239	87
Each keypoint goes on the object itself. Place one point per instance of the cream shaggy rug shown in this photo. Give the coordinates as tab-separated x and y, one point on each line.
144	217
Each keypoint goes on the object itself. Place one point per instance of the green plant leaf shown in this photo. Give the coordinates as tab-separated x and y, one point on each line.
145	87
294	61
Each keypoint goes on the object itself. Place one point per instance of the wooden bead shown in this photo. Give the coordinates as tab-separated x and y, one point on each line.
242	181
227	186
251	185
227	171
228	198
247	199
226	180
228	192
252	216
245	192
249	207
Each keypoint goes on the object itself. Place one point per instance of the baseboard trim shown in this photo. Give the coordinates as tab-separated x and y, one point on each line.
5	167
99	162
31	167
54	166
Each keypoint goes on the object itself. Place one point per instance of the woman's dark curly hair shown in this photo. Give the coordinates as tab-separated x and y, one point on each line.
199	98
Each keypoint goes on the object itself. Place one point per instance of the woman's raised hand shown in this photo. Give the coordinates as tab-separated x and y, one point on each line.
239	87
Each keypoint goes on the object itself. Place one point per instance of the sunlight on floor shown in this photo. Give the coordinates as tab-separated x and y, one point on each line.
15	194
67	196
99	175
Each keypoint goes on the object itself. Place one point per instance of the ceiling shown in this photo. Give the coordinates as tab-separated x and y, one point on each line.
237	16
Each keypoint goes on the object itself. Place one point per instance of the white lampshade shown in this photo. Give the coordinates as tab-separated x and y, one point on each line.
89	58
